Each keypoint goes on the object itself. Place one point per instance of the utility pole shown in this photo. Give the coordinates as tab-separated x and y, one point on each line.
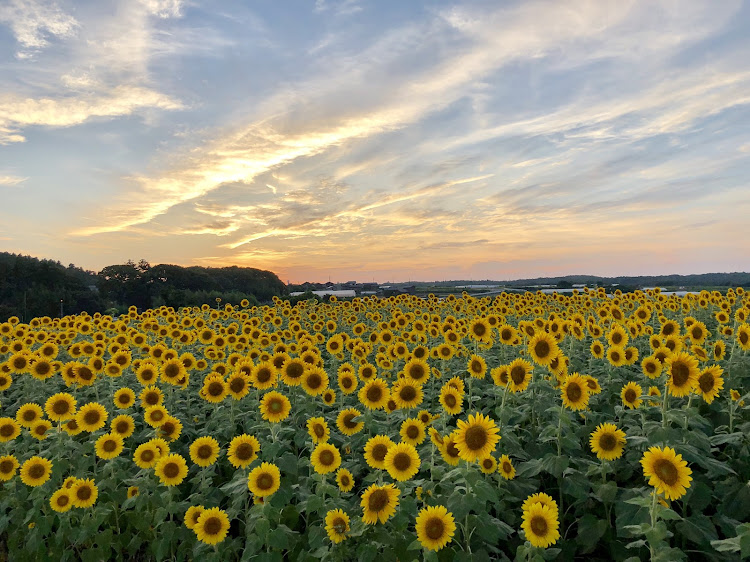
61	308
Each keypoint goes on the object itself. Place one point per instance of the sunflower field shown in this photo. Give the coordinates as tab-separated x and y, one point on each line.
518	427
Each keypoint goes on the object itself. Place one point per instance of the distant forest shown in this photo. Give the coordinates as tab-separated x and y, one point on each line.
32	287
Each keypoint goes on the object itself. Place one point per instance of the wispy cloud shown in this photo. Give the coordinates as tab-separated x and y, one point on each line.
33	22
11	181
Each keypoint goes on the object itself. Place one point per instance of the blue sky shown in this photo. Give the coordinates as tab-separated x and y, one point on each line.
378	140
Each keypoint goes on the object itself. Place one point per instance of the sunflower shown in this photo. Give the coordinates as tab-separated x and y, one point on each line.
243	450
477	437
329	397
435	527
449	449
171	428
667	471
344	480
379	503
574	391
155	416
314	381
631	395
71	427
325	458
91	417
192	515
540	525
238	385
214	389
124	398
337	525
651	367
28	414
402	461
60	407
607	442
682	370
84	493
374	394
505	468
19	363
292	371
8	467
42	369
366	372
151	396
109	446
597	349
172	370
275	407
477	367
417	371
376	450
616	356
346	424
171	469
318	430
617	336
743	336
5	381
519	375
123	425
147	373
9	429
61	501
132	491
710	382
407	394
347	382
204	451
264	480
488	465
211	526
540	498
542	348
451	400
146	455
412	431
39	430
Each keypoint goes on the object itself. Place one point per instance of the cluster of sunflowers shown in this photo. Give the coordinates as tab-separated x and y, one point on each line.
273	427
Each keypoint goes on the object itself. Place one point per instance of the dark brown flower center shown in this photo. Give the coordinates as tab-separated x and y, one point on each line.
680	374
327	458
518	374
374	393
84	492
171	470
347	421
542	349
6	430
378	500
630	396
412	432
402	461
61	407
264	481
666	471
319	430
92	417
147	455
379	451
476	438
450	400
205	451
706	382
216	389
434	528
538	525
295	370
212	526
607	442
407	393
244	451
574	392
109	445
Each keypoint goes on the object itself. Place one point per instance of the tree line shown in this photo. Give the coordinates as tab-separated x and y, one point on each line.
31	287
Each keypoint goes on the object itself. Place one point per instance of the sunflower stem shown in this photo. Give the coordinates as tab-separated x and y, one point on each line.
653	521
664	403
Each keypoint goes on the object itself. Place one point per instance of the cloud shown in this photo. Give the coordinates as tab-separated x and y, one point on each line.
17	113
32	22
11	181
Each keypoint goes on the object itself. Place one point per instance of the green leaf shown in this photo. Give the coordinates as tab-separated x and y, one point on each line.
590	529
607	492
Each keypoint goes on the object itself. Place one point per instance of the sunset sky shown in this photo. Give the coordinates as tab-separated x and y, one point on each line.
381	140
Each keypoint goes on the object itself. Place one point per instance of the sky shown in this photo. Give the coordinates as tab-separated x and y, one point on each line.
381	140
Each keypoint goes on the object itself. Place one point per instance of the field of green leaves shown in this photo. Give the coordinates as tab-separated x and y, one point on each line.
520	427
